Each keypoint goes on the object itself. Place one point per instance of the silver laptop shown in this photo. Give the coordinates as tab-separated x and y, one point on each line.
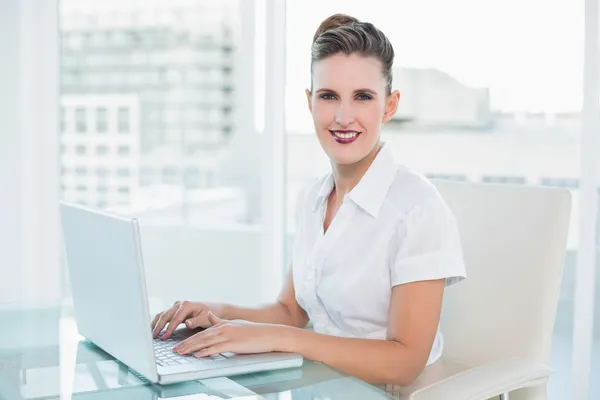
104	257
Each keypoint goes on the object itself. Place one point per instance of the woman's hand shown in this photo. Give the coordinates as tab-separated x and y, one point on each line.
236	336
195	315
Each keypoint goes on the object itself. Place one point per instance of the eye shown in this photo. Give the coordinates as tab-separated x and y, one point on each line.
363	96
327	96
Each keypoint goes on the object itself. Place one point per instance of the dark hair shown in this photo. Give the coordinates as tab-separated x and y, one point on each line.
346	34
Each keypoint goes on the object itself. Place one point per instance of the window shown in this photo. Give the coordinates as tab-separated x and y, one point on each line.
123	172
450	177
192	178
569	183
170	171
80	150
150	176
123	190
102	172
504	179
101	150
80	120
81	171
101	120
171	175
123	120
123	150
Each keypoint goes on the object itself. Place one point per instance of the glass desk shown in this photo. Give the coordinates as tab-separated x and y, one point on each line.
42	356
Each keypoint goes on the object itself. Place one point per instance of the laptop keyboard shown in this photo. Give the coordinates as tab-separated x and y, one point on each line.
163	352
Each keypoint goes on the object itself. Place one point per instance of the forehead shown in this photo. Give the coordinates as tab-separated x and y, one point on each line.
342	71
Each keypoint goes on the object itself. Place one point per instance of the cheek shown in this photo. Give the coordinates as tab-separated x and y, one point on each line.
370	117
323	114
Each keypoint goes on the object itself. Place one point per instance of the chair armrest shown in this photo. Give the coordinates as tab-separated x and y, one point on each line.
484	381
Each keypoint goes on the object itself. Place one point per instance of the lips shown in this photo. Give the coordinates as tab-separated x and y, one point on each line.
344	136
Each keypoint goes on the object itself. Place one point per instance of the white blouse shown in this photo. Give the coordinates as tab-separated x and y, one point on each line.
392	228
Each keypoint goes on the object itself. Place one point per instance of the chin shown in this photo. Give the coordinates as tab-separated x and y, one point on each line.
347	156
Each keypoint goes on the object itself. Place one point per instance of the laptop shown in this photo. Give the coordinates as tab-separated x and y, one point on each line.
105	263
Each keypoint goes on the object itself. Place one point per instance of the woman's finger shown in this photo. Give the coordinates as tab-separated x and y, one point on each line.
213	319
212	350
200	343
199	321
155	320
200	336
178	317
164	319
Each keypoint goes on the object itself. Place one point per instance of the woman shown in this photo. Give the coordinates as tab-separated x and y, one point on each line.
375	244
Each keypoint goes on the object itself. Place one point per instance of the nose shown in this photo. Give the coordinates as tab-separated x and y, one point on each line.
344	115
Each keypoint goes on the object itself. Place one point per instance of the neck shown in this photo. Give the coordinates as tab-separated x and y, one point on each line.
347	176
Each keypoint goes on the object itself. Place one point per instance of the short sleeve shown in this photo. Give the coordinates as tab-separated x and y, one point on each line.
429	246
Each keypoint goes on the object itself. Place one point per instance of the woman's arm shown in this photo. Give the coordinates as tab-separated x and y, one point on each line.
285	311
413	321
414	315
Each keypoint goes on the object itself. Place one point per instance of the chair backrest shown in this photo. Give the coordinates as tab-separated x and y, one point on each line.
514	241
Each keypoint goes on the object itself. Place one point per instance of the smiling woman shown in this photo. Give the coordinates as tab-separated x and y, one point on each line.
375	244
477	102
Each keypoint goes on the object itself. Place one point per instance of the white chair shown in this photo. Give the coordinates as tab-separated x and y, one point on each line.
498	324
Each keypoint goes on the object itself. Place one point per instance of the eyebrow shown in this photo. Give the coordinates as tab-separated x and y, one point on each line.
355	92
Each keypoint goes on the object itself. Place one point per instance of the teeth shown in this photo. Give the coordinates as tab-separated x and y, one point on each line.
341	135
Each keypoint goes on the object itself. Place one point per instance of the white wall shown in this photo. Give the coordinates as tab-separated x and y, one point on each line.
29	167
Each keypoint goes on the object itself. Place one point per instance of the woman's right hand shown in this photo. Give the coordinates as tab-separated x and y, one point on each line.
195	315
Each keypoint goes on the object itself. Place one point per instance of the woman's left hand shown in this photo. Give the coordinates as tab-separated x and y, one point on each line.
236	336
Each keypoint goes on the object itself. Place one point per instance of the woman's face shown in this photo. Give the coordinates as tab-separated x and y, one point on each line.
349	103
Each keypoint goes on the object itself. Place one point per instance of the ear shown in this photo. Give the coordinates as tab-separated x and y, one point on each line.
391	105
309	99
